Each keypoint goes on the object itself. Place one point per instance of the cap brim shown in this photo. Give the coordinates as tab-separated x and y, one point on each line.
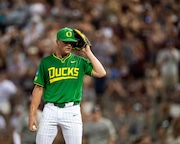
69	40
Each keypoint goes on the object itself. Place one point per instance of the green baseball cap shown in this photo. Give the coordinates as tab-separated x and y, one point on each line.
66	34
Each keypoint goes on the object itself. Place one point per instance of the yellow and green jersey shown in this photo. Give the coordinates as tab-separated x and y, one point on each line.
62	79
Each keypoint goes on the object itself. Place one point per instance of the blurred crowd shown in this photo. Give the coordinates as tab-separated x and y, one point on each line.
137	41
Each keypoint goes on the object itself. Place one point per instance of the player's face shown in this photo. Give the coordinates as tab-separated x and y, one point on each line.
64	47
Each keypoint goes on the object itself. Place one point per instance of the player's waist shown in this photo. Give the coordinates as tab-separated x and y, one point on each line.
67	104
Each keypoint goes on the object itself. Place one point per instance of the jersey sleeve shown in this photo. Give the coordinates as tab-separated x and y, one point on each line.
39	77
88	67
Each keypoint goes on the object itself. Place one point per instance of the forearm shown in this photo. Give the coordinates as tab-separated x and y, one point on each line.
36	99
98	69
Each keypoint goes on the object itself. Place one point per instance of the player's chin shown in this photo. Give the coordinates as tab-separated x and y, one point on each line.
68	50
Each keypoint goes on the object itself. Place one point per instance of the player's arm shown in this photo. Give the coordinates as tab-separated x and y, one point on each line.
36	99
98	69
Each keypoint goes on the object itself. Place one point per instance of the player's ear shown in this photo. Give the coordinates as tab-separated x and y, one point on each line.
58	42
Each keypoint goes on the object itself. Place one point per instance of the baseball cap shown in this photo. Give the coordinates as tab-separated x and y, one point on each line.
66	34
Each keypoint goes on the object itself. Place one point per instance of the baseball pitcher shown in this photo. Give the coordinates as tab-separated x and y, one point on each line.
59	81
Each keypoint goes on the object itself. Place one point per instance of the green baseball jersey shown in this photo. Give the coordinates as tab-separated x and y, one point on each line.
62	79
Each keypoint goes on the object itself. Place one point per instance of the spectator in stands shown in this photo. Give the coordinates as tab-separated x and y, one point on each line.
7	90
168	61
99	129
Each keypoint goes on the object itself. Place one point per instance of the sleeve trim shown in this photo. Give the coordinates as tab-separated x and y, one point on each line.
38	84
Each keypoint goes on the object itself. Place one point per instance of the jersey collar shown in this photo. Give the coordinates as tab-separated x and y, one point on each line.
62	59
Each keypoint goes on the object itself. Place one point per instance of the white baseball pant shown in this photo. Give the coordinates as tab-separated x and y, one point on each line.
69	119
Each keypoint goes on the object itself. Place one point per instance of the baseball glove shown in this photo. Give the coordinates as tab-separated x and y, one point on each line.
82	40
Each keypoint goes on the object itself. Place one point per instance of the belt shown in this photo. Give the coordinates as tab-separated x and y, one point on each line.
65	105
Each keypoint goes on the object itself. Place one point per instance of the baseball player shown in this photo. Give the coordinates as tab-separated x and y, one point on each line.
59	80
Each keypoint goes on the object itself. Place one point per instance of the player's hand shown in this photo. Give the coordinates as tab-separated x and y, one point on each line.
33	126
86	49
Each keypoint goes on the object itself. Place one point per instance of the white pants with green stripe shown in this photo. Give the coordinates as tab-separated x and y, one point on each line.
69	119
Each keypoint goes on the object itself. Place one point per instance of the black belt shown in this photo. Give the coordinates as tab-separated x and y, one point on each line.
63	105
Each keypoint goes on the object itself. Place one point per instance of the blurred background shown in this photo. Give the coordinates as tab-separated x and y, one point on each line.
137	41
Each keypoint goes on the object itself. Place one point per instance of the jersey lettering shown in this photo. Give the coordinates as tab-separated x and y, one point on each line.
76	71
56	74
51	72
64	71
70	71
